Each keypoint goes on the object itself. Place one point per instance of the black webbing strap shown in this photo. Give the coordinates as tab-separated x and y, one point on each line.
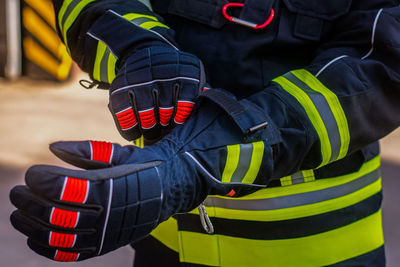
249	120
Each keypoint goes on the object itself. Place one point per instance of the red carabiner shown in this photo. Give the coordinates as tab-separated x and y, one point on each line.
244	22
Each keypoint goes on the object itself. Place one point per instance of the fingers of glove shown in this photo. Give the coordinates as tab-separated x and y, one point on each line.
62	255
60	184
54	237
87	154
124	114
189	89
54	214
184	105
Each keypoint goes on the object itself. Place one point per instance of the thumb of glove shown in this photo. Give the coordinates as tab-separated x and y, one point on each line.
91	154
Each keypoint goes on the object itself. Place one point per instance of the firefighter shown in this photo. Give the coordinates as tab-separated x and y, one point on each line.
274	161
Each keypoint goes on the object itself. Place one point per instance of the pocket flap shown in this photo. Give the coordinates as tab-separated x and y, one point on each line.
202	11
323	9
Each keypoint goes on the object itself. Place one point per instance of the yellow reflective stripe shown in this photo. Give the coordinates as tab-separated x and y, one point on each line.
232	160
72	17
145	25
151	24
334	104
256	160
301	211
132	16
316	250
44	9
319	184
62	11
101	49
287	180
312	114
308	175
167	233
139	142
112	60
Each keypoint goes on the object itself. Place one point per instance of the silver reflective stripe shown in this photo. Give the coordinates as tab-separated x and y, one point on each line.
297	178
324	111
70	8
245	156
141	20
104	66
297	199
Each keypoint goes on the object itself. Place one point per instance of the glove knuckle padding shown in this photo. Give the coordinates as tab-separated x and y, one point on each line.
87	212
157	69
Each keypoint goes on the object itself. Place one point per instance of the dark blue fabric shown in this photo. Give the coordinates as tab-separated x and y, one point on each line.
154	77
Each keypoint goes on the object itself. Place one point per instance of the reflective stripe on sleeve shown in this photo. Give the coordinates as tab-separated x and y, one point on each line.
243	162
323	110
104	64
69	11
145	21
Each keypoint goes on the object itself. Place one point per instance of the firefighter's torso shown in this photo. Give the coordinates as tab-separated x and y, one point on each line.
311	218
243	59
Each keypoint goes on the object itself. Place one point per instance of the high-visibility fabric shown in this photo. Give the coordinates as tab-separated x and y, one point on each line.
104	64
166	233
316	250
68	13
323	110
298	177
105	61
310	219
243	162
145	21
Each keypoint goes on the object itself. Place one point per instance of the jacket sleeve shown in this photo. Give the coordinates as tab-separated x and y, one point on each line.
100	33
346	99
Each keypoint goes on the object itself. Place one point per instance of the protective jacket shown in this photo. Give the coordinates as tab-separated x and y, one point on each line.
326	75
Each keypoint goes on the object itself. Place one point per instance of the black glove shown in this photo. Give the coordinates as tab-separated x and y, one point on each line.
72	215
155	90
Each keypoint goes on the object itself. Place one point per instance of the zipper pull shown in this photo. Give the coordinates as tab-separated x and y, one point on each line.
205	220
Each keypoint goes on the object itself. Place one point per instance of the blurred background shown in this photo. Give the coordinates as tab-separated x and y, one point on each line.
41	102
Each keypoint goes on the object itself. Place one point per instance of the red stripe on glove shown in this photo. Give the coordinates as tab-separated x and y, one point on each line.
65	256
183	111
165	115
126	119
64	218
75	190
147	118
62	240
101	151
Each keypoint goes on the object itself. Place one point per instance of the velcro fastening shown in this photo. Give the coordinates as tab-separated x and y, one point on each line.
245	114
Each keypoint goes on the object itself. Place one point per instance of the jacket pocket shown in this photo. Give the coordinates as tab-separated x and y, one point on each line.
206	12
311	16
209	12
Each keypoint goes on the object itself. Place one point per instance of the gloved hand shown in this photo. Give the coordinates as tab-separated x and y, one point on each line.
71	215
154	91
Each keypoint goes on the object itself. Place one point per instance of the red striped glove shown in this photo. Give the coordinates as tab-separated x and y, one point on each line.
155	91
